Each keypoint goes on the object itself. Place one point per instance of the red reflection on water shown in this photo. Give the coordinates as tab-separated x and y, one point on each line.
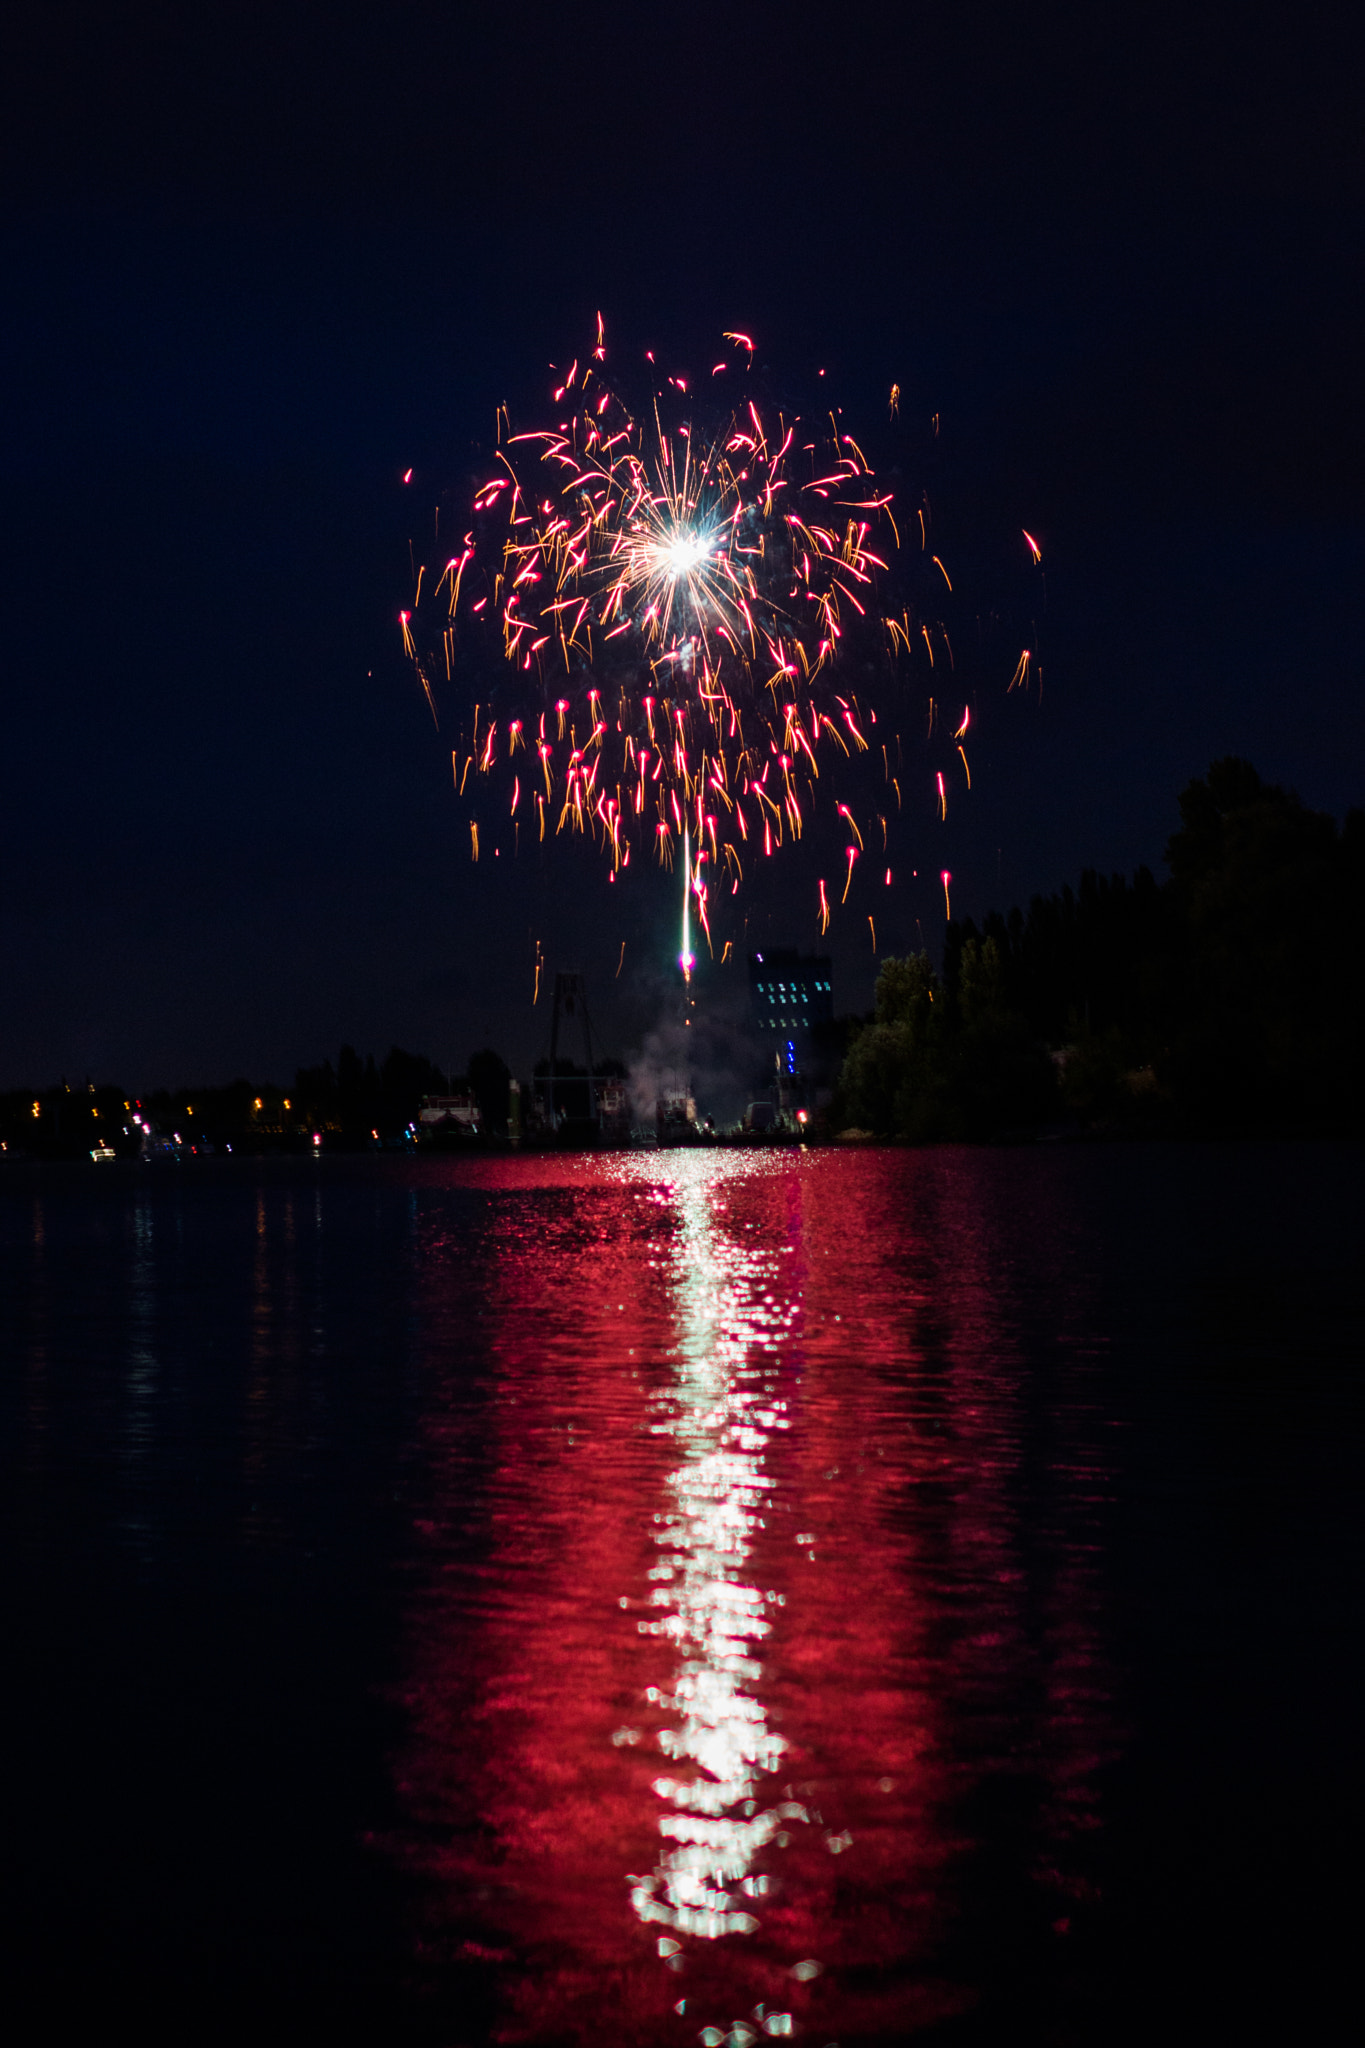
738	1441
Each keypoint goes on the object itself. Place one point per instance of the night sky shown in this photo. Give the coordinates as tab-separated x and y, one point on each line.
260	260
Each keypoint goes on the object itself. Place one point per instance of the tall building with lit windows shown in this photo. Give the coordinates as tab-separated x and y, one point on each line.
790	992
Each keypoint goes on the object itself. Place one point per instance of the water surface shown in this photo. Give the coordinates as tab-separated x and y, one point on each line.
702	1596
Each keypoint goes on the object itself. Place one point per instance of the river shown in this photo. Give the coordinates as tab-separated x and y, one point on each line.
692	1597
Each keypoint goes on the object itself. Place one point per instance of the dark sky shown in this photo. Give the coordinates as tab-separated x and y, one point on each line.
259	260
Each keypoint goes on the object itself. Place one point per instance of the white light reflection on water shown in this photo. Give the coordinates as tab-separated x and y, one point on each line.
722	1413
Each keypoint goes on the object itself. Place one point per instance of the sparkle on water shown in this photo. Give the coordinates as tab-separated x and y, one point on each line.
707	1698
718	1596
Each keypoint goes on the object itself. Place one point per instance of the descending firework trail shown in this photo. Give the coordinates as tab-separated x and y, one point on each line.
676	624
685	960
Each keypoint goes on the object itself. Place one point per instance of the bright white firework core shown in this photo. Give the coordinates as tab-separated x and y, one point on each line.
683	553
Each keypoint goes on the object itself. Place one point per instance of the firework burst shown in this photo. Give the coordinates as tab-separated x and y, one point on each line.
673	618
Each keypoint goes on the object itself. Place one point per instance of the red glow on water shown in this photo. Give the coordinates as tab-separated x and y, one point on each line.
711	1639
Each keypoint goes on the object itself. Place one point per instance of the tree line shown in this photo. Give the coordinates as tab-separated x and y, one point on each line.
349	1106
1228	998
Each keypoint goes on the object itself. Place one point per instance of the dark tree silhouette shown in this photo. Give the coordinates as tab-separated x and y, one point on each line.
1230	997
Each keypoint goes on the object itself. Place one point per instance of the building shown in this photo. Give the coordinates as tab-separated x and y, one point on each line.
613	1108
790	992
449	1116
790	995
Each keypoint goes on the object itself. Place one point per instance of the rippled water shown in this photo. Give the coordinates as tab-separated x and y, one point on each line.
692	1597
